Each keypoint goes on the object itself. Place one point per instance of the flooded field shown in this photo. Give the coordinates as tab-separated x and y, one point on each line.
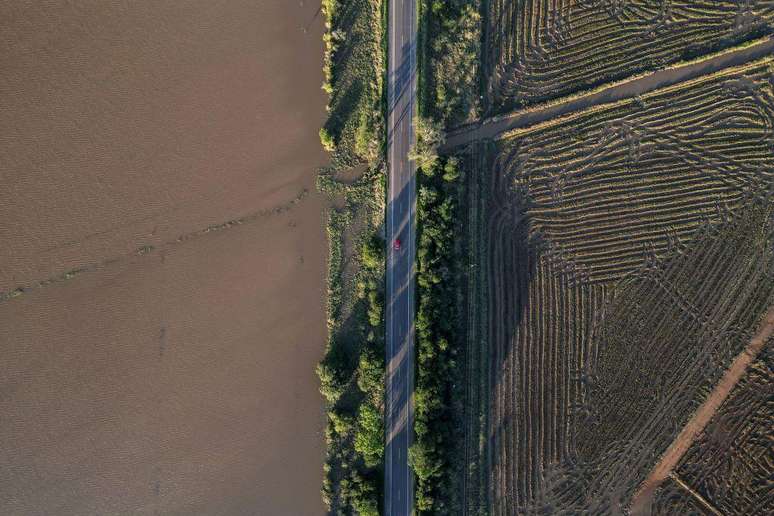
127	126
158	213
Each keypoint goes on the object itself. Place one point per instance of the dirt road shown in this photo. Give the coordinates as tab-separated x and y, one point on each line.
495	126
702	417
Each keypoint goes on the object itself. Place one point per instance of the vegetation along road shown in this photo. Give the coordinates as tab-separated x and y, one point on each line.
401	208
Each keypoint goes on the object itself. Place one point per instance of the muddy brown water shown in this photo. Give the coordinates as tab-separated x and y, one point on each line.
179	381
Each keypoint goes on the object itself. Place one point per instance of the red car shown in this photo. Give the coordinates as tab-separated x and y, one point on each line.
396	244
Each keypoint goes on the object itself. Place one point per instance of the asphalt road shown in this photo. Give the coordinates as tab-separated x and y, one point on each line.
401	212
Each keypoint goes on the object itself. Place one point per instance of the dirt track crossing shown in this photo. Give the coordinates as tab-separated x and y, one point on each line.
495	126
703	415
574	206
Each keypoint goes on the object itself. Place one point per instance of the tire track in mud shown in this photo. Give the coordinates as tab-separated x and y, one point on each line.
644	429
526	372
597	208
696	496
536	50
495	237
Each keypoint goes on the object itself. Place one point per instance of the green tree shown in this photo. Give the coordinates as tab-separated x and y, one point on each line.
430	136
370	373
369	440
327	140
365	500
450	170
372	253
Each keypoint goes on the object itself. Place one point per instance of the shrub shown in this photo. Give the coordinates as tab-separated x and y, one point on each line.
429	137
369	440
327	140
435	425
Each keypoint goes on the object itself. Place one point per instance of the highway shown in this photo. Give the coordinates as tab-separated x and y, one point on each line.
400	225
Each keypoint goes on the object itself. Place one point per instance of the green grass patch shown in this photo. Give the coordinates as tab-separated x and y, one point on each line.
353	69
448	60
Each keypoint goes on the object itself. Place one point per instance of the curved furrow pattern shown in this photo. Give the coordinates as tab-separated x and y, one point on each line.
609	186
537	50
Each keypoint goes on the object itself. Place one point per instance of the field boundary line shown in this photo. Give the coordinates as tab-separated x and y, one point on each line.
632	78
551	111
470	335
703	415
604	106
699	498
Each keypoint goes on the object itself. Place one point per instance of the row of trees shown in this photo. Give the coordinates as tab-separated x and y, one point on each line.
352	382
450	37
352	371
435	453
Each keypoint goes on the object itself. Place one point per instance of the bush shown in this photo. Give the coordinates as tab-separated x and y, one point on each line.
365	499
430	136
327	140
372	253
355	430
364	137
370	373
450	64
369	440
352	78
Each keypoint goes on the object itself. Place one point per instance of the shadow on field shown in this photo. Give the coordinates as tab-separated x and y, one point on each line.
506	257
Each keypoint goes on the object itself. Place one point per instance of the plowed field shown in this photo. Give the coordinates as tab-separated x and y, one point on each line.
537	50
730	465
621	259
